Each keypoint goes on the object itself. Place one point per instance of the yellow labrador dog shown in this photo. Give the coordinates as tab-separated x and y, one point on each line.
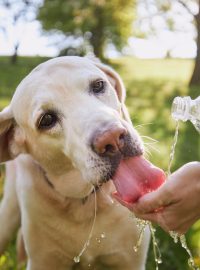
65	131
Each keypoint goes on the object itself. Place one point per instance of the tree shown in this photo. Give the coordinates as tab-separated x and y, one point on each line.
169	13
16	12
99	21
195	79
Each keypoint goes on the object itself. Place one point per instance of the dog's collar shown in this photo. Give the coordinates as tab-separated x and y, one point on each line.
45	175
84	200
48	181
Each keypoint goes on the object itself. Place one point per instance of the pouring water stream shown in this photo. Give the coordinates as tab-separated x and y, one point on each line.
176	237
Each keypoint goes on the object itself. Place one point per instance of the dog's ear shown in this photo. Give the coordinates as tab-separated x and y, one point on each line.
6	130
118	85
8	148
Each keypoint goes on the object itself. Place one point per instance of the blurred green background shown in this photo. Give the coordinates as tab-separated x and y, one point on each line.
116	32
151	86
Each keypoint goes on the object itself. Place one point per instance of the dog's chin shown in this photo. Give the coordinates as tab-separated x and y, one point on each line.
113	164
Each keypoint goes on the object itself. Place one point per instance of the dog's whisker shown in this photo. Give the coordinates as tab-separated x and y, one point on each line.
148	149
149	138
148	143
147	152
152	148
87	242
141	125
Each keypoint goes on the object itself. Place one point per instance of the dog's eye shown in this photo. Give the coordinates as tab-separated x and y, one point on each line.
48	120
98	87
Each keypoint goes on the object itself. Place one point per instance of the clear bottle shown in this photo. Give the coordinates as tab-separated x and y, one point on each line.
184	108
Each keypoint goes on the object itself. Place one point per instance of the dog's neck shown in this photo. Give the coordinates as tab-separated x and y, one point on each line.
70	184
64	178
57	191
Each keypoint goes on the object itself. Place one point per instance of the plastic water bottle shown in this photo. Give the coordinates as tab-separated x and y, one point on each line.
184	108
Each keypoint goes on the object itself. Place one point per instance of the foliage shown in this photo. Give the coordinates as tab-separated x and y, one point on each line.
8	260
151	86
100	22
169	16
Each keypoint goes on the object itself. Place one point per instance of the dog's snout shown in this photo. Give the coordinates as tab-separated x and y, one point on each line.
110	141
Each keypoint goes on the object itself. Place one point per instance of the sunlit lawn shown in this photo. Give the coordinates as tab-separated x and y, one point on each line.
151	86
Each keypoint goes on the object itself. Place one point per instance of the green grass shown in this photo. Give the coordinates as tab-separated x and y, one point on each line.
151	86
11	75
169	69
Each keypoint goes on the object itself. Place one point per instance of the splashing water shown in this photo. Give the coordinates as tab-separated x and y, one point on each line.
176	237
142	224
156	250
191	262
172	153
87	242
184	245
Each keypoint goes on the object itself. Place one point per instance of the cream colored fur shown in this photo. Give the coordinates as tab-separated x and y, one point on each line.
49	188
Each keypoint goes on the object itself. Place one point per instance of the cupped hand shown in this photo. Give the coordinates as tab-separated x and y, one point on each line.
175	206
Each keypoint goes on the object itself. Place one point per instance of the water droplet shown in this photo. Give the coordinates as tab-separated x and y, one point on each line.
191	262
175	236
77	259
103	235
176	240
159	260
98	240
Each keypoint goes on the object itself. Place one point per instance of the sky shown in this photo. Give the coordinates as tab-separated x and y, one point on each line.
33	42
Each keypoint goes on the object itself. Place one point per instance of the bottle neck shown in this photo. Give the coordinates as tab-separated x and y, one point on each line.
181	108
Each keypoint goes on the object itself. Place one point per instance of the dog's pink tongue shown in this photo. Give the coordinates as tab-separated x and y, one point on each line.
135	177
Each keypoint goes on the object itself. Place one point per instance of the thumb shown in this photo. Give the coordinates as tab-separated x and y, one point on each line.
153	201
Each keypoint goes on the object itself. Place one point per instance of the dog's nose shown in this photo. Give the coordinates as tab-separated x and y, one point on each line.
110	141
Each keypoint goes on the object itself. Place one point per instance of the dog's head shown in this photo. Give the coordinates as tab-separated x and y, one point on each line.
69	113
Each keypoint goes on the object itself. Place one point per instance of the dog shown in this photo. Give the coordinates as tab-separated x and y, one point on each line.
62	138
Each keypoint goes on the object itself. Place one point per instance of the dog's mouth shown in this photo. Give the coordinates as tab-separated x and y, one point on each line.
112	161
136	176
132	175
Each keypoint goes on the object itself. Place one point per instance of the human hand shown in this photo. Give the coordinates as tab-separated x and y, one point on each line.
175	206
